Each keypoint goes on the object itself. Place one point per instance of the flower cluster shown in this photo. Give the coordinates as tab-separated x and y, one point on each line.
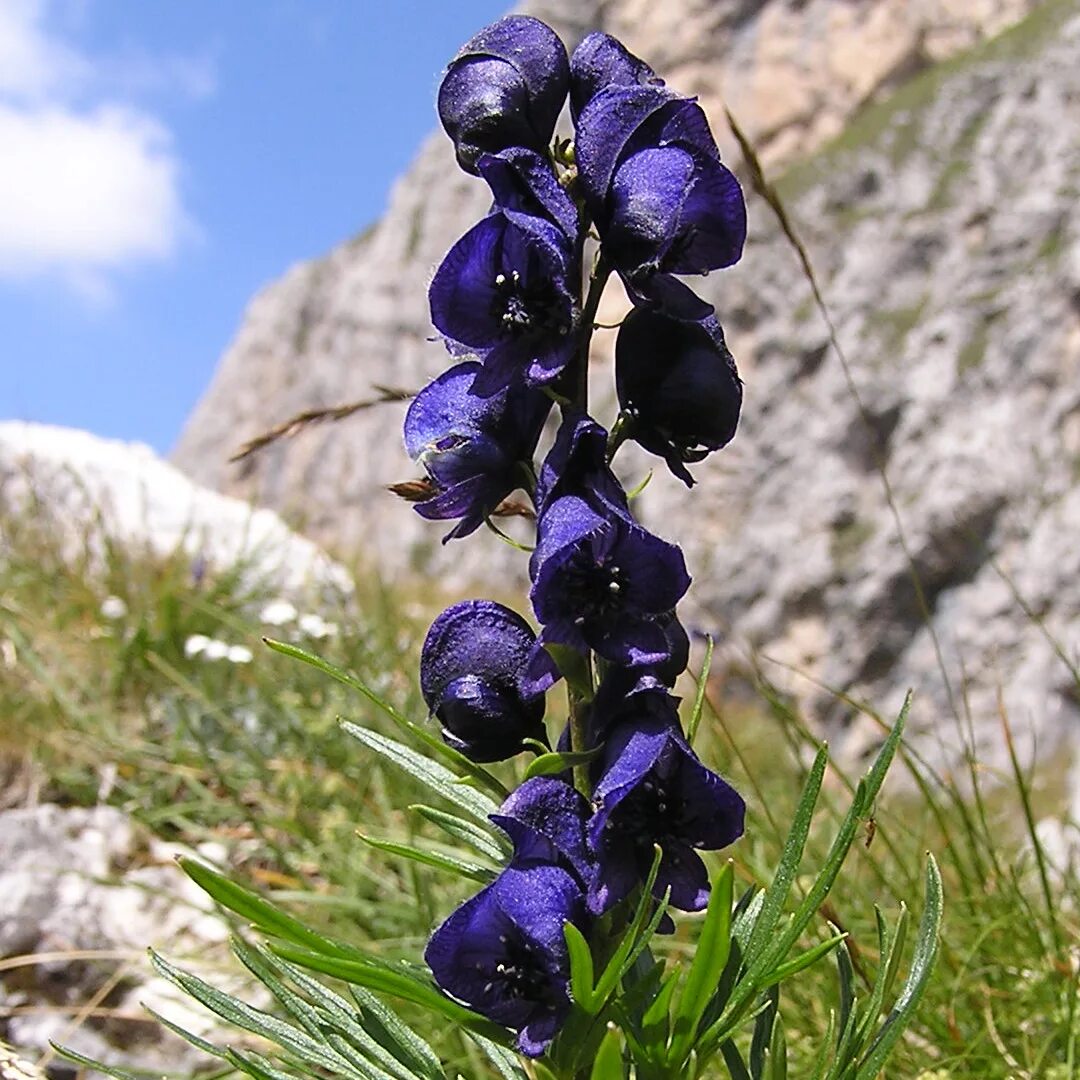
644	172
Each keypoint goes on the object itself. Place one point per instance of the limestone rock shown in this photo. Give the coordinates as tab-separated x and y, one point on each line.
83	893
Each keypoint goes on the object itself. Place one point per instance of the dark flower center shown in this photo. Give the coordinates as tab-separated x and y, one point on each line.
594	585
525	303
521	974
648	815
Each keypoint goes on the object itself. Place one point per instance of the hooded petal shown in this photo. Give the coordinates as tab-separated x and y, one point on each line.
505	87
545	818
471	666
601	61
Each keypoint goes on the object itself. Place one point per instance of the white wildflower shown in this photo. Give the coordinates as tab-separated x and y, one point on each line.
278	613
216	650
113	608
239	654
195	645
315	626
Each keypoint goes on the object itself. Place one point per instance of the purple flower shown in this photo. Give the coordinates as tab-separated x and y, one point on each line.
545	819
577	464
505	87
601	61
471	447
662	201
503	954
504	292
678	384
470	675
600	581
654	790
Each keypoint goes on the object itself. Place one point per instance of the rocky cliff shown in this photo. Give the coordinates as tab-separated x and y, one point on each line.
933	174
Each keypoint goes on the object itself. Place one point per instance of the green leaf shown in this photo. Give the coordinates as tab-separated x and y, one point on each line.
609	1058
392	1032
242	1015
494	845
432	742
802	961
777	1060
702	688
763	1027
447	863
776	894
257	1066
710	956
574	668
430	773
821	1058
397	982
734	1061
329	1014
189	1037
656	1023
922	965
261	913
554	763
582	989
505	1061
98	1066
890	948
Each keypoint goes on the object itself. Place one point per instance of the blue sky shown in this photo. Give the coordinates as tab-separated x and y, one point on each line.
164	160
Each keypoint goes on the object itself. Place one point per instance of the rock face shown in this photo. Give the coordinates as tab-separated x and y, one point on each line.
82	895
943	227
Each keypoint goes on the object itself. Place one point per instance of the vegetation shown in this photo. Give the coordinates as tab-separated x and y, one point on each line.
104	702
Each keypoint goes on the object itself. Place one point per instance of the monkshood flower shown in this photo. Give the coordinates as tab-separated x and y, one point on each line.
503	952
545	818
662	201
602	582
471	447
505	87
678	385
654	790
601	61
505	291
577	464
470	675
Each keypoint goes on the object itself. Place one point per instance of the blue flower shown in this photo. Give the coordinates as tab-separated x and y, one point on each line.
654	790
471	447
505	87
545	818
678	384
601	61
602	582
503	953
505	292
662	201
577	464
471	668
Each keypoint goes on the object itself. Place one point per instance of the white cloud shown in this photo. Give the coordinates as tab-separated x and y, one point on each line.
88	187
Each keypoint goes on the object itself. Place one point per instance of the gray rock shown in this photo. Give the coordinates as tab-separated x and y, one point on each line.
83	893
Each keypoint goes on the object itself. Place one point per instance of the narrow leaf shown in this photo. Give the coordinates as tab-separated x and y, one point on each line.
710	957
609	1059
505	1061
267	918
491	843
582	988
702	688
802	961
447	863
435	776
922	965
554	763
